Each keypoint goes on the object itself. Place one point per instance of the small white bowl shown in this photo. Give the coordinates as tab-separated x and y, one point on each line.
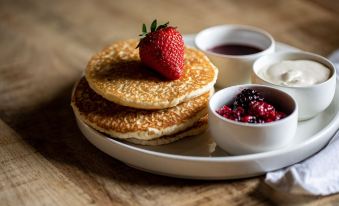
234	69
311	99
243	138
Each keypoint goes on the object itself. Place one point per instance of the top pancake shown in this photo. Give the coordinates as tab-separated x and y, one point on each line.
117	74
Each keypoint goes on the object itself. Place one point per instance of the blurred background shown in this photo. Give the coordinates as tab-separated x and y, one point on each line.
52	39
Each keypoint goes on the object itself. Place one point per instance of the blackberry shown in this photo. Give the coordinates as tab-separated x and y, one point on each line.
246	97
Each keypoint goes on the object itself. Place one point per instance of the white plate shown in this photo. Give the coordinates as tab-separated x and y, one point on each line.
198	158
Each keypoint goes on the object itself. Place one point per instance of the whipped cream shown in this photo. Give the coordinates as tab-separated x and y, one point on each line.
295	73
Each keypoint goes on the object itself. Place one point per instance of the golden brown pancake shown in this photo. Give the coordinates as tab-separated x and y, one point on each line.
125	122
198	128
117	74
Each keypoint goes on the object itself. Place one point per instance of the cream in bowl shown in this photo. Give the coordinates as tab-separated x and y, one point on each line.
295	73
308	77
258	127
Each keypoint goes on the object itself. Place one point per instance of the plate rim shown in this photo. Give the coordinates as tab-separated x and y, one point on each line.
235	158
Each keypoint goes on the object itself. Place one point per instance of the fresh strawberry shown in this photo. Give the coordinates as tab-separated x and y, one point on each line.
162	49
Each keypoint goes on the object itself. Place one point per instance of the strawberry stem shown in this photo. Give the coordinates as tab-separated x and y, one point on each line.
163	25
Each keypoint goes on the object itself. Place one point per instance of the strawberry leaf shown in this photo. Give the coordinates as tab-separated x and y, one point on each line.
144	29
154	25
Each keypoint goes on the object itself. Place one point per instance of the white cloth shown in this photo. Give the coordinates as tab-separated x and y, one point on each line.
318	175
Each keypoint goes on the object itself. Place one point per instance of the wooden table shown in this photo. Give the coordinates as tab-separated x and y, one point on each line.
44	47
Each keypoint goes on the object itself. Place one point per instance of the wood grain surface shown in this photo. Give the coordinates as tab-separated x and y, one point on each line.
44	47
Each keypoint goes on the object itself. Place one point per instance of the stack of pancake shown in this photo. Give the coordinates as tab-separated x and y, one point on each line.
126	100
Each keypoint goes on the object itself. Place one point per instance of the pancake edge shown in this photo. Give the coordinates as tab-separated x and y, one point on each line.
149	134
194	130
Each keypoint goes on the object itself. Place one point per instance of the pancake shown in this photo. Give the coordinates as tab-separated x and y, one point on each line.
126	122
198	128
117	74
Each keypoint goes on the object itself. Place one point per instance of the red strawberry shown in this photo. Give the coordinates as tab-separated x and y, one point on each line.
162	50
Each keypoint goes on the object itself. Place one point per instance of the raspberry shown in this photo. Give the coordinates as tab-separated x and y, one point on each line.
228	113
268	120
262	110
246	97
239	111
233	117
249	119
279	115
260	121
225	111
